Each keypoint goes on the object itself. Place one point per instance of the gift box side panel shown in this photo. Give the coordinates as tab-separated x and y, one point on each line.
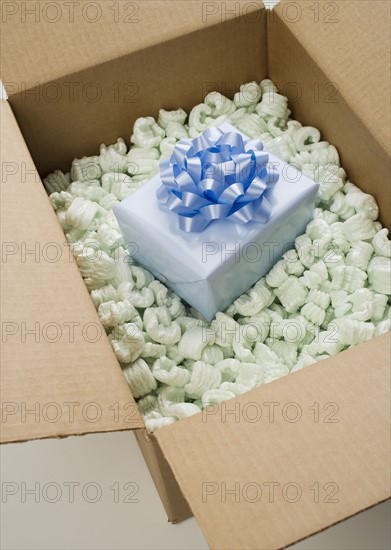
174	503
135	85
316	100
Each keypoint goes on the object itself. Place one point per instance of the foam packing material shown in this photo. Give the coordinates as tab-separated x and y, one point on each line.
328	293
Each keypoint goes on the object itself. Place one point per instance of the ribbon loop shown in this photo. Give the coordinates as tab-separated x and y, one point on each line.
216	176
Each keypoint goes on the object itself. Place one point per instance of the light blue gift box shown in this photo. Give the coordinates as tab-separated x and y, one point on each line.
210	269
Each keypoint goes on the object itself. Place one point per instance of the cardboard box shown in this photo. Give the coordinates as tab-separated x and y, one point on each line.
328	437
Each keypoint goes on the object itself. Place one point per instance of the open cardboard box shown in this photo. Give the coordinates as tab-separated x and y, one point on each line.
78	77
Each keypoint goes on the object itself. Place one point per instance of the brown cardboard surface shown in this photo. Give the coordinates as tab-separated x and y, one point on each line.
184	70
59	375
342	454
350	41
337	78
42	42
167	486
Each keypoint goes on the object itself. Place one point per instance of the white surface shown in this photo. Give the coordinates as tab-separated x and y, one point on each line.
104	459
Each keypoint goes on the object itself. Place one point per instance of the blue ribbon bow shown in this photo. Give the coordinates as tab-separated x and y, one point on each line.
216	176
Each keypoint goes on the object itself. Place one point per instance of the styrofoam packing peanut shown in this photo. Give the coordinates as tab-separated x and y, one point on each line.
273	371
286	351
351	332
159	291
250	375
319	298
63	199
110	160
305	250
127	341
359	255
251	302
348	278
186	322
381	244
379	274
147	133
340	239
104	294
141	298
86	168
273	104
152	350
313	313
194	340
293	265
173	354
203	377
292	294
167	146
57	181
242	345
359	228
304	137
229	369
147	404
167	371
118	184
224	328
116	313
252	125
304	360
315	276
183	410
280	146
215	397
169	395
364	204
237	115
219	104
160	327
212	354
329	176
379	307
81	213
249	94
325	215
139	378
198	115
178	116
177	131
340	302
277	275
175	305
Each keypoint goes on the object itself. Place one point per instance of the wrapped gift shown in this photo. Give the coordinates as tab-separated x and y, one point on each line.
216	218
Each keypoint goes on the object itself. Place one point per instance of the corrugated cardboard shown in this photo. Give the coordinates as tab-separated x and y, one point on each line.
226	460
176	66
59	374
325	58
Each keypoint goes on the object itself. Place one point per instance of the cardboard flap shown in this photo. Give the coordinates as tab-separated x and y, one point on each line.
59	375
294	456
349	40
42	42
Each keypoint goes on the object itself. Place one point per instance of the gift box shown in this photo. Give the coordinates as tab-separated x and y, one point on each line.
218	258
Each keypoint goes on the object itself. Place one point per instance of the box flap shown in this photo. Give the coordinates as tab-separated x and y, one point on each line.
294	456
59	375
350	41
44	41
